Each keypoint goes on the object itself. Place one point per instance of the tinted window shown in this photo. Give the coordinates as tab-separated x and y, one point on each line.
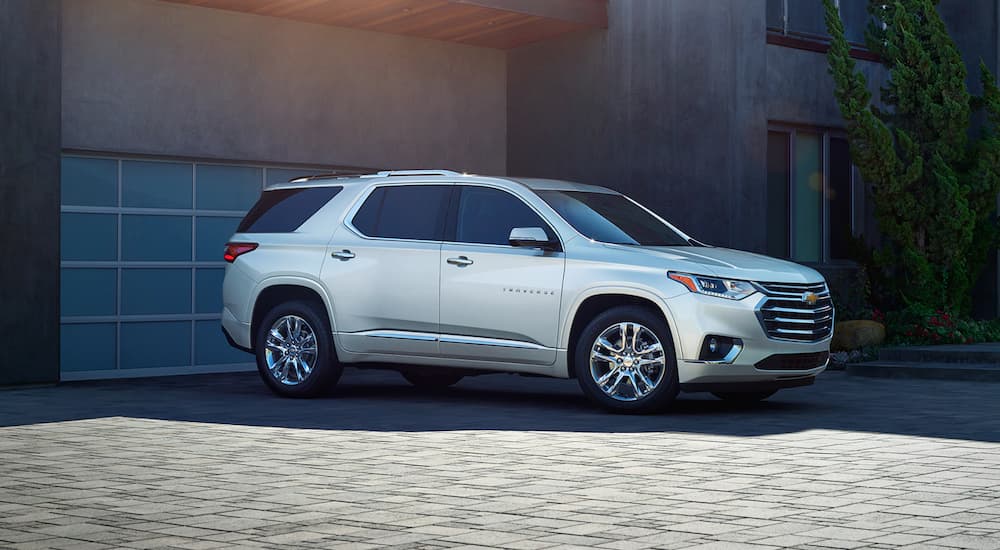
611	218
487	215
404	212
284	210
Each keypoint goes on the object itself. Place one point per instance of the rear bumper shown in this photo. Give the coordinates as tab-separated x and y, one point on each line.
237	333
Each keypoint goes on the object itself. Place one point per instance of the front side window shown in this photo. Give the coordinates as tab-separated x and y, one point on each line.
415	212
612	218
486	216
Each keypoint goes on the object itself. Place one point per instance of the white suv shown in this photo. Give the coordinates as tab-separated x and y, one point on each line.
442	275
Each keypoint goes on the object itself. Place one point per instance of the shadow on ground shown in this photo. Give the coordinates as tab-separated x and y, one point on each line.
383	401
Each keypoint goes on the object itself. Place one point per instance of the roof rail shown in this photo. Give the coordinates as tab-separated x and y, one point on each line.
331	175
391	173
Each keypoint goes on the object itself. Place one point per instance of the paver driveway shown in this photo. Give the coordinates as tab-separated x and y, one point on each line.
499	461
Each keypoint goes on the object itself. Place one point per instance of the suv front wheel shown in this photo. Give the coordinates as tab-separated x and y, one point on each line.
625	362
295	354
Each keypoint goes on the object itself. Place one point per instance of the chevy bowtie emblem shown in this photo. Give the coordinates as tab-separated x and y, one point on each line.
810	298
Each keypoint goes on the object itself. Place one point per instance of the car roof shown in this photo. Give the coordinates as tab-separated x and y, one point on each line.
542	184
401	176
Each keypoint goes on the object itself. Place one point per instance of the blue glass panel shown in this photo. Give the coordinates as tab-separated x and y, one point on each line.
213	233
151	291
87	291
156	344
156	184
227	187
87	347
89	181
208	290
88	236
156	238
211	347
281	175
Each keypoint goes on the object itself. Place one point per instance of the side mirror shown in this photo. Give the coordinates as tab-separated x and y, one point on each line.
530	237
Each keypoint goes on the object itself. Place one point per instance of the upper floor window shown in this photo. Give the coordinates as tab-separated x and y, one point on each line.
810	195
806	17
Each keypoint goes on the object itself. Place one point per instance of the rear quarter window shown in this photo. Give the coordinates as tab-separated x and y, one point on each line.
285	210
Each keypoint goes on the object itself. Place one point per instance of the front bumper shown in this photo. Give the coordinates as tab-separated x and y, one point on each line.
695	316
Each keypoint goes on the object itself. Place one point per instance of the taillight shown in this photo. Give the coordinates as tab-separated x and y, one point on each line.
235	250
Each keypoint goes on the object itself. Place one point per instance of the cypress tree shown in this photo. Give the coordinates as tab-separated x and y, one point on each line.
934	188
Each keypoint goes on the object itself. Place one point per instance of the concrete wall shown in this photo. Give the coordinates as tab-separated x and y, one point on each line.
667	105
29	190
800	87
155	77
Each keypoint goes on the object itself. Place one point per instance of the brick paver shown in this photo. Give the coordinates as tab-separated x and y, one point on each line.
499	461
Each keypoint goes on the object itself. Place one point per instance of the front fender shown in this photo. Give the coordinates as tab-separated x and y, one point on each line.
638	292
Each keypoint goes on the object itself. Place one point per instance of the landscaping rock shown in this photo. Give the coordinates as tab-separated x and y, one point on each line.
851	335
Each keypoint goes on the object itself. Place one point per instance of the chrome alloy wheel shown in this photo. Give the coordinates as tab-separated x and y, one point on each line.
290	350
627	361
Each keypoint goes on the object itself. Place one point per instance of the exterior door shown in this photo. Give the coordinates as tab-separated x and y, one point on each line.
498	302
383	274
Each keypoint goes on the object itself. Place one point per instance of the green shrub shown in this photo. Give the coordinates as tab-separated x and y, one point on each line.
920	325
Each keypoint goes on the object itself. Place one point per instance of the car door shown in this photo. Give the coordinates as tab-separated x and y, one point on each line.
383	270
498	302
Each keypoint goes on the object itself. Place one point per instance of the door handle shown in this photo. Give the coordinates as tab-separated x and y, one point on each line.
343	255
460	261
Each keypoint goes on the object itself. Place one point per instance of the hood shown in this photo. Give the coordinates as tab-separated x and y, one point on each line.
731	264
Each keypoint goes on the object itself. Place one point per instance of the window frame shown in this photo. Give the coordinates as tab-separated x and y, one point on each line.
786	30
857	192
365	195
451	224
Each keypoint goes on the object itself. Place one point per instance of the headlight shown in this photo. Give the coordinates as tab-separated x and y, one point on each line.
713	286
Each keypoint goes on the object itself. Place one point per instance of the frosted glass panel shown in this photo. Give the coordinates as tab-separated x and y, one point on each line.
156	238
227	187
88	237
159	344
87	291
89	182
808	198
87	347
156	184
156	291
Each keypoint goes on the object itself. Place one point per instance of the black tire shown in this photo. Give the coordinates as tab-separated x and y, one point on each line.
665	390
431	380
326	370
744	396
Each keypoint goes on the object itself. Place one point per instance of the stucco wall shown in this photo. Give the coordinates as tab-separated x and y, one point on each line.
155	77
29	191
667	105
800	87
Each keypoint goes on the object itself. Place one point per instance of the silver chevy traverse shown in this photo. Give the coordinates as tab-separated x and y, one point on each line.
442	275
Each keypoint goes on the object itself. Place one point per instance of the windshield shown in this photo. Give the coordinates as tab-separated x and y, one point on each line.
611	218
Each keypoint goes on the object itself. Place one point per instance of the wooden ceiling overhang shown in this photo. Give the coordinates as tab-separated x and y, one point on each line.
501	24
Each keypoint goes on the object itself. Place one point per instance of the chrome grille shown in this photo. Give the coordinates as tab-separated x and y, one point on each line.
786	316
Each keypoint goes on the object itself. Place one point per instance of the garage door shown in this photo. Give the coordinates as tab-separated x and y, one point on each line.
142	268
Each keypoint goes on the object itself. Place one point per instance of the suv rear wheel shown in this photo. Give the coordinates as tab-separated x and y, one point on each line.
625	362
295	354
